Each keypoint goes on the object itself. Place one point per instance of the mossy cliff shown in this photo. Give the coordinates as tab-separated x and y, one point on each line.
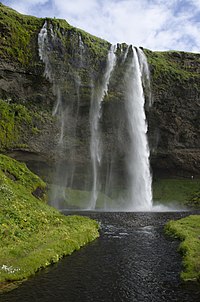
174	126
23	84
79	61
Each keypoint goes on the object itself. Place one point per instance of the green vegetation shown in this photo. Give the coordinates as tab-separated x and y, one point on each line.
176	190
188	231
194	200
13	119
18	35
98	46
167	64
17	175
32	234
17	123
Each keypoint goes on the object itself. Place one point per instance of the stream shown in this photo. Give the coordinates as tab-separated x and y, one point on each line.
131	261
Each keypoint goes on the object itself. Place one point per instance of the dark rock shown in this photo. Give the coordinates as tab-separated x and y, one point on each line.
39	193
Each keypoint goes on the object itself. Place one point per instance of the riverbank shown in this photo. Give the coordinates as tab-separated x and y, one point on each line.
188	231
131	261
32	234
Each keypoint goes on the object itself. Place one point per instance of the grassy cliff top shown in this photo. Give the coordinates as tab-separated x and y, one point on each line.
176	65
18	36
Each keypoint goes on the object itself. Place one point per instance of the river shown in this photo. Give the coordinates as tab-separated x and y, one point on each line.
131	261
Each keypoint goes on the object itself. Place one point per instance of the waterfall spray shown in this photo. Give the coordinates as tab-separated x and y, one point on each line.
144	67
98	94
66	108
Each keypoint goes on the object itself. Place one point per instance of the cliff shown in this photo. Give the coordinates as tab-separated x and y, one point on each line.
174	124
30	132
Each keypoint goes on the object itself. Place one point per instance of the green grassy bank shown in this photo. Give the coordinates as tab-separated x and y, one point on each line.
188	231
32	234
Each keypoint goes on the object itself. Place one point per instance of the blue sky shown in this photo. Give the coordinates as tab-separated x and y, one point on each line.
154	24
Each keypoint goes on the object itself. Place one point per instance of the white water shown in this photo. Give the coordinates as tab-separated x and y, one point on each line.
125	54
43	52
98	94
65	112
140	194
145	74
139	187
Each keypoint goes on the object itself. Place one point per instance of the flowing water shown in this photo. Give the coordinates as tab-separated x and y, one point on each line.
138	154
146	77
66	107
133	148
97	97
132	261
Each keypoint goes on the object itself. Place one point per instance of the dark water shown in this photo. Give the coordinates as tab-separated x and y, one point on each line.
131	261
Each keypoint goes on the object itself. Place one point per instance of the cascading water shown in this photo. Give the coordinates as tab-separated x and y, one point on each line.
66	107
140	194
119	158
98	94
144	67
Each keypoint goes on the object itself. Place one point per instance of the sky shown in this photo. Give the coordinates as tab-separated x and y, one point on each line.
154	24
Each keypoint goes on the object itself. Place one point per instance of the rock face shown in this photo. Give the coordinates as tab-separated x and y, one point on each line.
174	125
79	61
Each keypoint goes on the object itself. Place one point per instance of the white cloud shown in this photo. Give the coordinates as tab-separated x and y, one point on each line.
154	24
24	6
77	7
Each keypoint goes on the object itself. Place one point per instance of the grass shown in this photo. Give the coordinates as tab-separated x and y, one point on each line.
170	64
98	46
18	36
32	234
188	231
175	190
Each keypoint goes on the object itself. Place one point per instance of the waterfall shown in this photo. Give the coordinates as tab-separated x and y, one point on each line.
125	54
43	52
140	195
66	107
123	148
97	96
145	75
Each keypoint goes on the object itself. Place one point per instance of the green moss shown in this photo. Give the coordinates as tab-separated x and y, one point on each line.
14	118
179	190
188	231
173	66
32	234
20	174
15	121
18	123
18	35
98	46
